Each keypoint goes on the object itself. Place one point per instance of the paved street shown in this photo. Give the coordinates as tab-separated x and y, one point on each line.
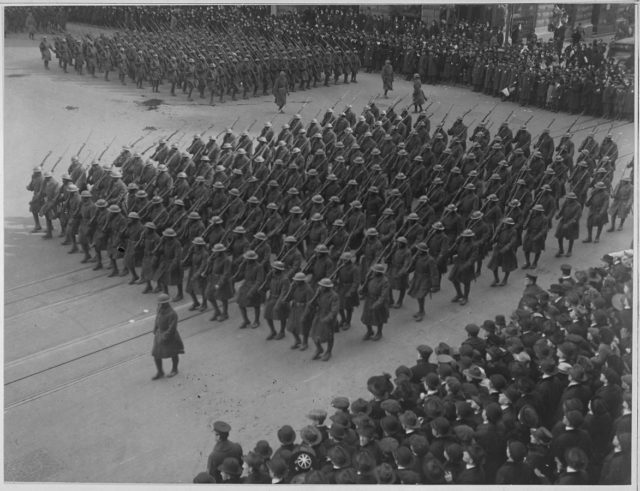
79	402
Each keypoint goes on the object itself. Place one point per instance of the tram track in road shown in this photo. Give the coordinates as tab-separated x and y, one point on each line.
49	278
50	290
51	390
64	301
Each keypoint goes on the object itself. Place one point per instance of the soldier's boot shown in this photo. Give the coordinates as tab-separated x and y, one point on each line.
180	294
535	260
173	88
326	81
327	354
478	269
346	78
610	229
560	248
496	278
589	233
203	304
400	298
158	288
420	314
233	95
318	352
283	325
504	280
347	324
63	233
74	247
256	321
87	255
49	234
296	339
225	308
305	341
211	99
216	311
134	277
378	334
114	269
195	305
159	372
272	330
174	366
189	96
621	224
369	334
598	232
245	319
106	76
36	220
527	263
124	272
465	293
569	249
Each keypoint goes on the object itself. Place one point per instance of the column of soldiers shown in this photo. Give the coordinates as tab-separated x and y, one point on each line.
204	52
313	220
214	64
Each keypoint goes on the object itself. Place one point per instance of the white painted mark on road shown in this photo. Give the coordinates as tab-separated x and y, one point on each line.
314	377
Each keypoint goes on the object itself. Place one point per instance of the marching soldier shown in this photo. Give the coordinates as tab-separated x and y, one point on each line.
324	305
347	280
505	245
115	225
535	228
133	234
622	202
169	271
376	294
462	272
598	217
297	298
219	284
196	260
569	223
35	185
249	295
399	266
425	277
150	240
275	308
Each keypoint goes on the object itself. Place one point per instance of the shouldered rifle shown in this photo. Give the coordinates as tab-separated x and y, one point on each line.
444	118
506	120
340	99
489	113
84	144
105	150
59	159
138	140
45	158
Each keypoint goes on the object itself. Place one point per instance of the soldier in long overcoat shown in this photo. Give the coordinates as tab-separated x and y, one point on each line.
375	311
167	342
462	272
505	246
196	260
219	283
598	217
425	277
169	270
325	308
249	295
568	223
281	90
274	308
297	298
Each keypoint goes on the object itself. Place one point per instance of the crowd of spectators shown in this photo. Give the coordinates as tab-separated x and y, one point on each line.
543	397
575	77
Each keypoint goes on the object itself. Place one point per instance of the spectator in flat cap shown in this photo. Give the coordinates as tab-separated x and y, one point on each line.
473	457
423	365
573	465
514	470
287	438
616	468
223	449
473	340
